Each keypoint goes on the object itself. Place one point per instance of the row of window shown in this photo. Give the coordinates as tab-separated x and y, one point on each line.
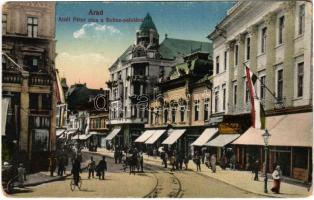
263	37
279	85
32	26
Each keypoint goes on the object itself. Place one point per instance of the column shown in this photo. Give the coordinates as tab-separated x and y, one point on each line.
289	63
52	141
25	136
240	74
270	21
253	32
230	47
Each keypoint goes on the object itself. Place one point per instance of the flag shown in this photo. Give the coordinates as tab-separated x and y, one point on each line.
257	111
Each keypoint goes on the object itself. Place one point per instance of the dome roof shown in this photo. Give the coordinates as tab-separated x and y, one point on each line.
147	24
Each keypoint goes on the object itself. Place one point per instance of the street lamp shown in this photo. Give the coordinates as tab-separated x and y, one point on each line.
266	136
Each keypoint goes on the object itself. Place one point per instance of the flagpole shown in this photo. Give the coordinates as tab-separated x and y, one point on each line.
263	84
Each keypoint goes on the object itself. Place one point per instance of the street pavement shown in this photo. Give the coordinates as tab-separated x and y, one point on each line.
159	182
242	180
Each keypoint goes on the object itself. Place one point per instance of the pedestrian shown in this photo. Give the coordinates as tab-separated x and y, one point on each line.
197	161
21	175
141	160
206	159
223	161
181	158
255	170
233	162
116	155
52	164
165	160
177	160
186	162
213	161
76	170
61	166
91	167
101	168
172	162
276	176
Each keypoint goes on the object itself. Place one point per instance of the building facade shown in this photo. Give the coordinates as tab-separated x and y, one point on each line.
28	79
272	40
135	74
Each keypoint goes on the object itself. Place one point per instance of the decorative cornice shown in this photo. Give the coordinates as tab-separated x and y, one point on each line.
252	30
270	18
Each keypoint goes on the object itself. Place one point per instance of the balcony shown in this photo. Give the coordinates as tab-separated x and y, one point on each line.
112	84
137	78
40	79
11	77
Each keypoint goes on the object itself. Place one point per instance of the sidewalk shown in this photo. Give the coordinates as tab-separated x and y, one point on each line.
239	179
41	177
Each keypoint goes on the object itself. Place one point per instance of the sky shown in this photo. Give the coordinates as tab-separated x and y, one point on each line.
86	48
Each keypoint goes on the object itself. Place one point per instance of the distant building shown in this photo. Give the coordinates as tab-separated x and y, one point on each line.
28	82
272	39
181	106
134	75
87	115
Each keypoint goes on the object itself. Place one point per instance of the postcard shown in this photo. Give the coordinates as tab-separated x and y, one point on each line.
129	99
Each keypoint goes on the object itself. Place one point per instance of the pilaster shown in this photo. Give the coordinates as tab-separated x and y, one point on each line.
253	32
230	46
240	74
53	118
289	63
25	136
270	21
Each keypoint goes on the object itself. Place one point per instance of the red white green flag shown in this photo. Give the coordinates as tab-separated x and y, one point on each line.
257	111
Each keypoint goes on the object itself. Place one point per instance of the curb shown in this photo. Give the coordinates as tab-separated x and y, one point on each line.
47	181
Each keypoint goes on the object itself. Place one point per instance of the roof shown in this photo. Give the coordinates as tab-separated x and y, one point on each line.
147	24
171	48
78	96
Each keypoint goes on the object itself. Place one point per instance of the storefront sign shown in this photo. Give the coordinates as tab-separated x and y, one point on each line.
228	128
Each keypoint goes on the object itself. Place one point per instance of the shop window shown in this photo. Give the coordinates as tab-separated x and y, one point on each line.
300	157
40	139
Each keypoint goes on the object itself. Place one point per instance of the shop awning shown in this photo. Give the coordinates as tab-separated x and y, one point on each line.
222	140
60	132
205	137
174	135
70	132
113	133
142	138
285	130
156	135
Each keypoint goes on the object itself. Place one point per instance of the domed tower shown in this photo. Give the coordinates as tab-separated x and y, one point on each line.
147	36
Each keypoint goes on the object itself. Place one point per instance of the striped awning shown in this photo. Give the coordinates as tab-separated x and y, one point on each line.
205	137
156	135
174	135
113	134
142	138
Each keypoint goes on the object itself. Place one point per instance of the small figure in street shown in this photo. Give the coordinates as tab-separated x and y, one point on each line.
165	160
223	161
276	176
116	155
52	164
255	170
172	162
198	162
213	161
91	167
233	162
186	162
76	170
21	175
101	168
181	158
206	159
61	166
141	160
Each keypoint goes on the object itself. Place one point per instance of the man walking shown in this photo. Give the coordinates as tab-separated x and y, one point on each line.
61	166
76	170
141	160
213	161
255	170
91	167
101	168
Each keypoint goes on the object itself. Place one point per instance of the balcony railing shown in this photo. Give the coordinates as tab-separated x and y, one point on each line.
137	78
11	77
40	79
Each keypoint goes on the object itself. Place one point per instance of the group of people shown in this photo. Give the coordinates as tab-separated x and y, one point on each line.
99	169
176	160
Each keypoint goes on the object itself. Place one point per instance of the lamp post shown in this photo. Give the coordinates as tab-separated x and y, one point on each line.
266	136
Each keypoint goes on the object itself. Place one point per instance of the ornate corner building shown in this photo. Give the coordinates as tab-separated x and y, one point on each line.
28	81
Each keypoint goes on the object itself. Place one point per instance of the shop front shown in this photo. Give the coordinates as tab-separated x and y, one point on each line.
290	145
